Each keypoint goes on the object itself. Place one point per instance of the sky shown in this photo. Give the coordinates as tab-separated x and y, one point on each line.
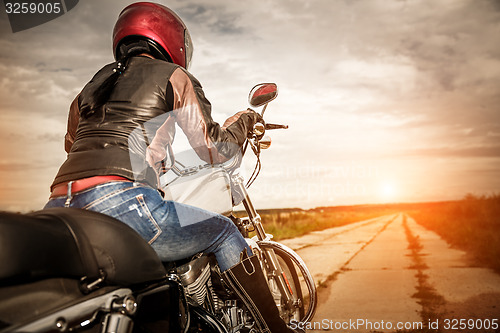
386	101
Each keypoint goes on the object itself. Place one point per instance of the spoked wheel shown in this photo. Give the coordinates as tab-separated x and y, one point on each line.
291	311
300	281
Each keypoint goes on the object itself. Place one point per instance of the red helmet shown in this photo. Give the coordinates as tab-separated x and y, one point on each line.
156	27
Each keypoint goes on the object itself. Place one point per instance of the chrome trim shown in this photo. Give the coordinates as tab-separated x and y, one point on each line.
313	296
265	142
259	129
117	323
81	310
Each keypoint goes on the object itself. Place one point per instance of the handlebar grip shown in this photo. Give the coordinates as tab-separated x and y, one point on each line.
275	126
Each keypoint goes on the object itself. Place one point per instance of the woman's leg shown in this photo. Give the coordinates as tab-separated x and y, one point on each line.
191	230
176	231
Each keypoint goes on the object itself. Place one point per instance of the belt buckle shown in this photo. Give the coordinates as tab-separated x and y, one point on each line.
69	194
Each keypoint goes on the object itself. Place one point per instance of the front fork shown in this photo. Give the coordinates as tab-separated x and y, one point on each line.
275	271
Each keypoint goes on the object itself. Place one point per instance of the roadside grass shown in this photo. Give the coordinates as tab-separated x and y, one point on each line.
471	224
291	223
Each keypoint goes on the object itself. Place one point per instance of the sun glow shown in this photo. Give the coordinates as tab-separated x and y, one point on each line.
388	191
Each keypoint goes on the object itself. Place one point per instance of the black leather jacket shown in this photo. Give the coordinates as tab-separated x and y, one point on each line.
127	136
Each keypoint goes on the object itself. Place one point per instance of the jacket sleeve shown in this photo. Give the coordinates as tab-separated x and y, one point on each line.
73	120
192	111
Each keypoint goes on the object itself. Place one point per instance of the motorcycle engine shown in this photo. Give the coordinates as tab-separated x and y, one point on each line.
196	277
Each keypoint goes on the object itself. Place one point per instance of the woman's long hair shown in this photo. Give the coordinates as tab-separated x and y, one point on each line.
103	92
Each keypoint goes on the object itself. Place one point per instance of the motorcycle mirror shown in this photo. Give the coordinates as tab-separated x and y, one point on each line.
262	94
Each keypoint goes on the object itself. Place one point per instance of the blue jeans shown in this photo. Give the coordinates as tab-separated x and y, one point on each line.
176	231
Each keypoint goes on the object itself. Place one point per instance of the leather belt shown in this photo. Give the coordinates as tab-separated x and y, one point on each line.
83	184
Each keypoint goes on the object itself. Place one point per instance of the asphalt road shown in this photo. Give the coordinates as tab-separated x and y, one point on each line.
390	273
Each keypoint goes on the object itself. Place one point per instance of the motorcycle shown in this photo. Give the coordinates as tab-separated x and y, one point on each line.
71	270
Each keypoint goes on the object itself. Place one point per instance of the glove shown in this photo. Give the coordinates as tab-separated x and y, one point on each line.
249	117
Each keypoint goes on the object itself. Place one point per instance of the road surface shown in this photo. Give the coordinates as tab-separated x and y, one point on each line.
390	273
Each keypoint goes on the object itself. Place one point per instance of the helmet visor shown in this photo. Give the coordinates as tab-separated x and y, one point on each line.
188	45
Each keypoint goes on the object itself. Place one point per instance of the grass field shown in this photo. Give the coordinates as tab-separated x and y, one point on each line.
471	224
289	223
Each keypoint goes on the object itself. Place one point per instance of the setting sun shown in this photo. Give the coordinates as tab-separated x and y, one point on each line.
387	190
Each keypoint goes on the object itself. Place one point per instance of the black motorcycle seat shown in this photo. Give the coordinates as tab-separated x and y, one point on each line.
74	243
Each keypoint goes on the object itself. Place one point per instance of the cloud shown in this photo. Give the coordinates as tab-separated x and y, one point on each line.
357	78
445	152
215	18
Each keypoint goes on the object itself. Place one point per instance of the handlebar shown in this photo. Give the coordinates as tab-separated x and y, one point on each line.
275	126
259	128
